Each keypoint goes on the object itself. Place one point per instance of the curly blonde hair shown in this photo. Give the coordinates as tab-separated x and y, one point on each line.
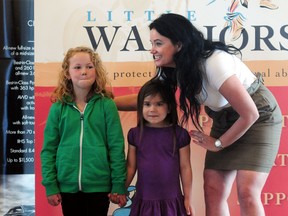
64	88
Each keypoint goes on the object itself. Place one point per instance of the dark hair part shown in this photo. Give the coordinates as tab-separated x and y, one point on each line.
189	60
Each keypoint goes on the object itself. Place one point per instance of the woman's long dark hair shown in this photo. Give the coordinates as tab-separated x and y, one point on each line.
189	60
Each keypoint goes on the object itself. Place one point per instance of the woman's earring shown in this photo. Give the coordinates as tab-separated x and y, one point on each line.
179	46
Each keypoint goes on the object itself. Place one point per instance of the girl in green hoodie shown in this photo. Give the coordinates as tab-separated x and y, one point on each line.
83	158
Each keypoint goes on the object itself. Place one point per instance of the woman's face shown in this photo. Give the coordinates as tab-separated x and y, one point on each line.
162	49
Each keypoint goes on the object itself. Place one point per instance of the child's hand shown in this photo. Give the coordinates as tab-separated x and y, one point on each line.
54	199
119	199
189	208
122	200
113	198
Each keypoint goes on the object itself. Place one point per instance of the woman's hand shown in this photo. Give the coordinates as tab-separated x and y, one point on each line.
203	140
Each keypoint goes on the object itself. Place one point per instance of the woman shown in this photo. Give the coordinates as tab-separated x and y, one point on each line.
247	121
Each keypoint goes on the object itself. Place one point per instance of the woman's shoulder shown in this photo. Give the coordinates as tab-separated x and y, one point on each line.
219	67
219	56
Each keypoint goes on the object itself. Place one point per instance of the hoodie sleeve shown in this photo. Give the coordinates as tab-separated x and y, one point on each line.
115	142
48	153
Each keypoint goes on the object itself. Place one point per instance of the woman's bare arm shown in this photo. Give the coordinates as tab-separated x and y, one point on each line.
126	102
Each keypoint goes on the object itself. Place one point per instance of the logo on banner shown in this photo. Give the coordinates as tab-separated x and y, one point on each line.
235	20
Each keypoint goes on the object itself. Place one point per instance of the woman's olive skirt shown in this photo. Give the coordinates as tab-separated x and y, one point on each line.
256	150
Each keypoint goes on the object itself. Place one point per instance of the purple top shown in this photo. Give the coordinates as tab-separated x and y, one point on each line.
158	167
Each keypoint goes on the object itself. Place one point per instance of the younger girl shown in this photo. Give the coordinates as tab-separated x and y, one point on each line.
83	158
159	150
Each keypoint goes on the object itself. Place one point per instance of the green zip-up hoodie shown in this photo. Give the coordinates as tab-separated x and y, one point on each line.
84	151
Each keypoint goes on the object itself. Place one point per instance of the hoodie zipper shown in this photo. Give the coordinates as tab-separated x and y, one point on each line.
80	146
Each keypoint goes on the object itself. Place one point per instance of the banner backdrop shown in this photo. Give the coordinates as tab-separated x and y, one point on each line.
17	106
118	31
